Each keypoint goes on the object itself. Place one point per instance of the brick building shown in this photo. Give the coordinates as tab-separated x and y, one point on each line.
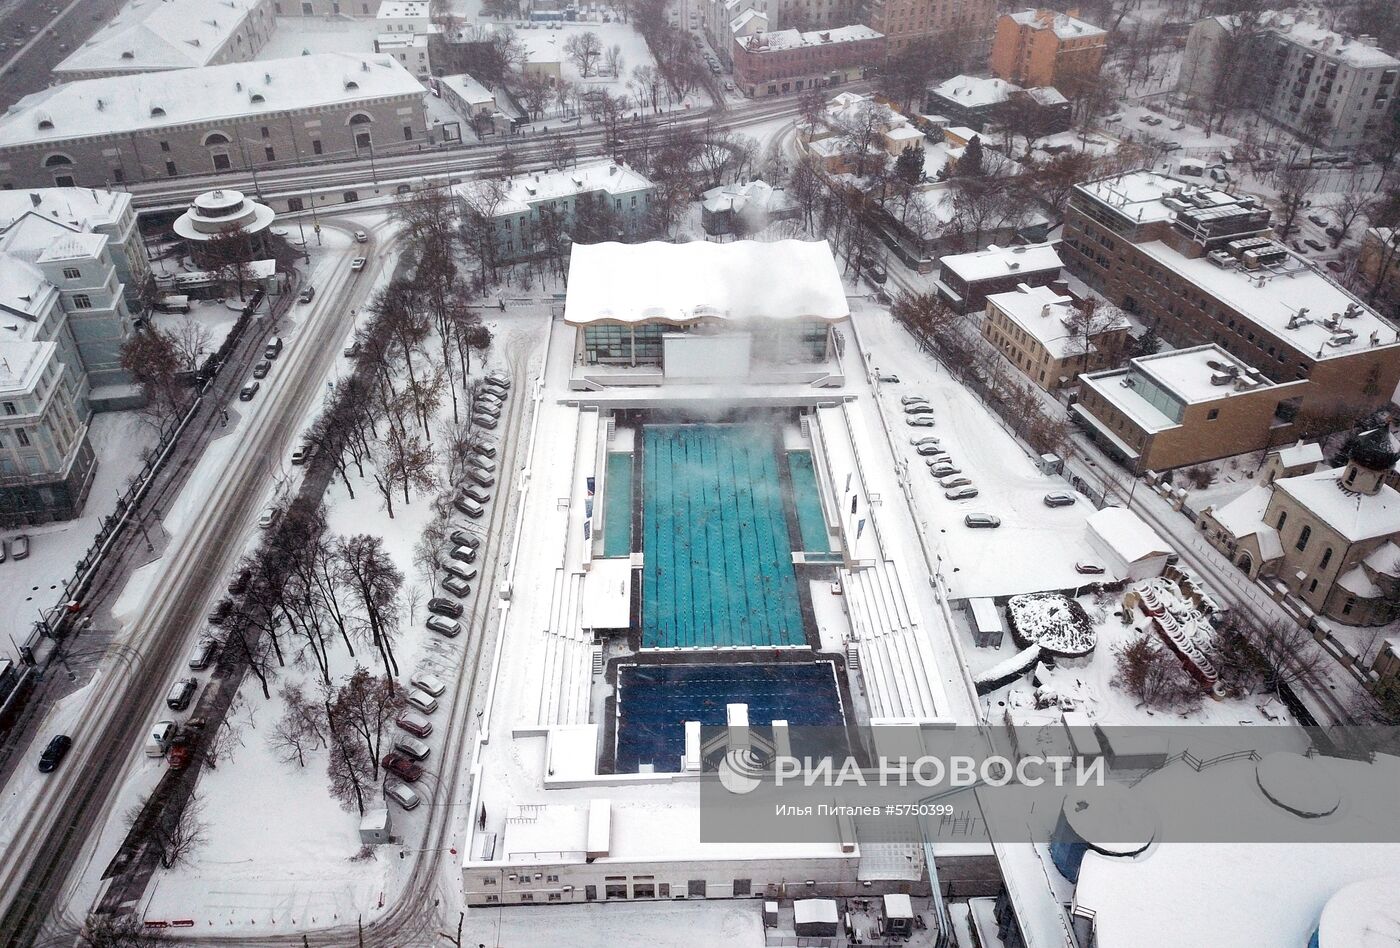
1044	335
274	113
788	61
965	280
1045	48
905	21
1199	266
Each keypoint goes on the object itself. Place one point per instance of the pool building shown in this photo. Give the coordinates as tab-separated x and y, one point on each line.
702	547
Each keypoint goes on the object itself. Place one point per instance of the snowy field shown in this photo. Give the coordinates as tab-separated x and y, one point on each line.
118	440
1036	546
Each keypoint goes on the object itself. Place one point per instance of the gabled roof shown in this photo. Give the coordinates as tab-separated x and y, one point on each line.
151	35
1355	516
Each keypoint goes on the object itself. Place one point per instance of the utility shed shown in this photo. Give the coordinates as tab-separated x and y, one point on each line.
898	915
987	628
1131	549
375	827
815	918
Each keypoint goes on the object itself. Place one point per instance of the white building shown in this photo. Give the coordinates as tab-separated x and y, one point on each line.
158	35
63	319
403	16
410	49
87	210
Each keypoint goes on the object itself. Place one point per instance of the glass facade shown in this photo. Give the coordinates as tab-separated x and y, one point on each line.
625	345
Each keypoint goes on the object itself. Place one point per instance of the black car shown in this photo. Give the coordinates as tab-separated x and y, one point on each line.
261	369
54	753
445	607
239	583
221	611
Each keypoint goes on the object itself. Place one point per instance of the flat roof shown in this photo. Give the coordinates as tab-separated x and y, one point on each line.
1003	261
22	362
135	103
468	88
975	91
1066	27
1187	373
79	208
795	39
607	594
1127	399
674	283
148	35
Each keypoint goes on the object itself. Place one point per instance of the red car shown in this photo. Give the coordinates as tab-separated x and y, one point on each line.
401	767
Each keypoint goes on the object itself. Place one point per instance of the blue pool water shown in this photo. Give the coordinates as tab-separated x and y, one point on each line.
617	506
810	520
718	563
655	701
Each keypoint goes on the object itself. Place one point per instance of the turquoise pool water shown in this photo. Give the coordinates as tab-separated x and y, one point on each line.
810	520
617	506
718	563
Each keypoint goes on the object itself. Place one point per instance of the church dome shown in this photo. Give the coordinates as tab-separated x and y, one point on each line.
1372	450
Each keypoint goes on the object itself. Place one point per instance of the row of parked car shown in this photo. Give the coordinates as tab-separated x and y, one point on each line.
490	402
270	351
956	485
408	749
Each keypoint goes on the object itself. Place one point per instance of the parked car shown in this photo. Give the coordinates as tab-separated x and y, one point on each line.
942	459
465	554
484	421
180	694
1314	244
954	480
351	350
238	584
477	494
428	682
401	767
481	478
421	701
1113	119
159	738
919	421
461	571
246	393
261	369
414	723
469	507
445	607
1334	232
1178	126
498	380
465	538
1336	266
876	274
54	752
929	449
303	454
1318	219
918	408
961	493
889	377
268	518
221	611
913	400
484	463
1059	498
307	294
361	237
982	520
921	439
357	264
405	796
456	586
1091	569
489	409
411	747
485	450
444	626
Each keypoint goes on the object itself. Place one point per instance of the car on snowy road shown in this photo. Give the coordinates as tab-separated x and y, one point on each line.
929	449
445	607
54	752
922	439
913	400
887	377
357	264
982	520
444	626
918	408
1059	498
401	767
414	723
955	480
404	796
919	421
961	493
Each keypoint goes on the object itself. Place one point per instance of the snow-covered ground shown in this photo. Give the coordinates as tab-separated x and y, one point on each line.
216	318
1036	546
118	440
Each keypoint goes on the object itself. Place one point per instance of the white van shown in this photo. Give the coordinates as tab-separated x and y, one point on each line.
172	304
203	655
420	701
159	738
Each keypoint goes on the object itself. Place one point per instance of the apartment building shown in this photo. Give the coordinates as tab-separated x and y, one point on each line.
1045	48
788	61
1046	336
63	320
520	204
905	21
1183	407
279	112
87	210
412	50
965	280
403	16
1200	266
1332	535
150	36
1336	91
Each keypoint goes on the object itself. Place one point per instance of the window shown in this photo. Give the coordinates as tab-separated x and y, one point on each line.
316	146
215	138
408	133
295	204
615	890
551	878
1312	586
695	888
1303	536
1213	414
488	880
527	896
22	437
1351	476
1326	558
118	175
71	273
1282	518
269	153
10	409
266	132
643	890
742	887
165	146
362	140
1346	609
170	169
493	898
221	162
664	890
554	896
82	301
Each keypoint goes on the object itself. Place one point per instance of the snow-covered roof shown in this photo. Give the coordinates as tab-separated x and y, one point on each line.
149	35
903	133
468	89
1326	43
403	9
1354	515
1359	584
975	91
1001	261
680	283
1271	297
1043	314
607	594
805	911
78	208
754	195
743	19
1127	534
21	363
527	190
1047	95
1065	26
1192	374
117	104
1296	455
72	247
1364	914
24	295
1385	558
1244	516
794	39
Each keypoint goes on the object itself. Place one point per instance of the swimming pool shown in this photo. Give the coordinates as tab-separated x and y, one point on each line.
718	563
655	701
810	519
617	505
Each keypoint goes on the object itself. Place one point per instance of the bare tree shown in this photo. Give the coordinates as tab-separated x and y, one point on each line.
584	50
374	584
176	831
348	765
1295	184
367	706
229	257
1278	654
614	61
300	729
1148	671
191	338
152	358
1347	209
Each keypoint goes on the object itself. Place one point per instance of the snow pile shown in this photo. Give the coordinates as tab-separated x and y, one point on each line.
1007	670
1052	621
